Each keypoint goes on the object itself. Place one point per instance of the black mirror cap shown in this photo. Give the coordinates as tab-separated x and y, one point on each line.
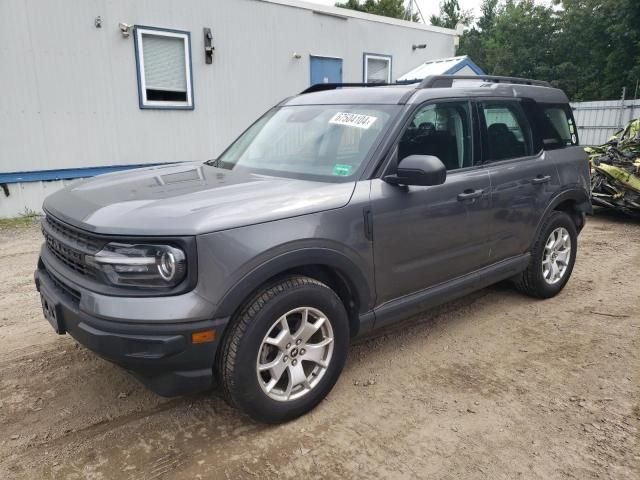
423	170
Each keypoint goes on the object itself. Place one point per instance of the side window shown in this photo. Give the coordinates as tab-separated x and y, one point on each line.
508	134
377	68
558	129
163	59
442	130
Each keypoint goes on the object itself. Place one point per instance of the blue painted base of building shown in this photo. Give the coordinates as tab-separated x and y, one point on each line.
67	173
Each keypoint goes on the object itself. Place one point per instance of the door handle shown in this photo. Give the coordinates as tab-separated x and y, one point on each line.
469	194
540	179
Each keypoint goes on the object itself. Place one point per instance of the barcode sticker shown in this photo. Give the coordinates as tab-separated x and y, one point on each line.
353	120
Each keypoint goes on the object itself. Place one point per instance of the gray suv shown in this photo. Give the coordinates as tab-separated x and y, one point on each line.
340	211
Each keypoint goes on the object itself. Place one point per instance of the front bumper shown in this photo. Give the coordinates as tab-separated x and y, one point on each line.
161	355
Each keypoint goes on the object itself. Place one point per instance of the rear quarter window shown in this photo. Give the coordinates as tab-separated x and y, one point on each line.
558	127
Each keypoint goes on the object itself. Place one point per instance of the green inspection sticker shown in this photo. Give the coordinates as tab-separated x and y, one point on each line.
342	170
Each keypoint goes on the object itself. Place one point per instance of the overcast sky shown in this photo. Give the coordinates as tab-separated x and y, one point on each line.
431	7
428	7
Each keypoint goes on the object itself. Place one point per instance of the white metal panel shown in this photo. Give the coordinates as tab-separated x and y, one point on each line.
433	67
597	121
27	197
466	70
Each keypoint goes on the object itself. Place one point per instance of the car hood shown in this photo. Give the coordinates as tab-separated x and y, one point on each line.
188	199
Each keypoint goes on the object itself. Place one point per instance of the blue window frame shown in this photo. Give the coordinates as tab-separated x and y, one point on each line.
163	61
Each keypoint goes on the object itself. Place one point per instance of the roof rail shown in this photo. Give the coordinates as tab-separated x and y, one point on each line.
320	87
446	81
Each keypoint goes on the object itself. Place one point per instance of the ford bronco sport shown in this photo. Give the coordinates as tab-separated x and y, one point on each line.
340	211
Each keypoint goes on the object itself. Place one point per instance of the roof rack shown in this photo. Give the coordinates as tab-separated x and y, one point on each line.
446	81
321	87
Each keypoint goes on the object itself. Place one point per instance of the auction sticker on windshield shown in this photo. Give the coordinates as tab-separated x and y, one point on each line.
357	120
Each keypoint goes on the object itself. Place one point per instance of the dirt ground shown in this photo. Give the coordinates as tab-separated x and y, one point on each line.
493	386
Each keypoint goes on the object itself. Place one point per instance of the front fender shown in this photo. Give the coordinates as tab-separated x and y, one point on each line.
233	264
333	259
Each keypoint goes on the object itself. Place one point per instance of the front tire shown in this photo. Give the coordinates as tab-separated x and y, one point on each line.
285	350
552	258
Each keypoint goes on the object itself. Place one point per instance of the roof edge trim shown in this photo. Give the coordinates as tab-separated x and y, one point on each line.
345	12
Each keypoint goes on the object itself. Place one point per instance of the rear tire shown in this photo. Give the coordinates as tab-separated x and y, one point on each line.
285	350
552	258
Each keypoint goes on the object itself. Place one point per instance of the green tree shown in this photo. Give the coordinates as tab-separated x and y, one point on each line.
352	5
599	48
387	8
514	38
472	42
488	14
521	41
589	48
450	15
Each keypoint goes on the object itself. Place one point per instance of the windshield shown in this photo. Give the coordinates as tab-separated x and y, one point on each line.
316	142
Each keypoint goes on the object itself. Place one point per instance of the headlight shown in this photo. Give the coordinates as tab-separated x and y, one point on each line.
144	266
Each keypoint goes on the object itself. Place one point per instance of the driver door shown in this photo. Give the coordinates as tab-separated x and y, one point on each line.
424	236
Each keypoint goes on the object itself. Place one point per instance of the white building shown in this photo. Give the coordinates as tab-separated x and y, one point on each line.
92	86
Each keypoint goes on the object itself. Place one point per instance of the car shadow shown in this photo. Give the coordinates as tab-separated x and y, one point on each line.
616	216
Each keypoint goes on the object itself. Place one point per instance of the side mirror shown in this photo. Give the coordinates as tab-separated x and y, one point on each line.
425	170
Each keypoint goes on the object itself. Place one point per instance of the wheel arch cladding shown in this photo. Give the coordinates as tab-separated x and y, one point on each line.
332	268
575	202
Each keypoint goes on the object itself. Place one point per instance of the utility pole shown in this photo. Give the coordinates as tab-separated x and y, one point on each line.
620	117
420	16
408	15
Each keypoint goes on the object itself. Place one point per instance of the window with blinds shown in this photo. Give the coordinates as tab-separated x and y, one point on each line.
377	68
164	68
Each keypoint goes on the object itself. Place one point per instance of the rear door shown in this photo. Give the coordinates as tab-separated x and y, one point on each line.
523	179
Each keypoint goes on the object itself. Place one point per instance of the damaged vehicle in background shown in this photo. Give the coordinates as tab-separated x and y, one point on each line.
615	171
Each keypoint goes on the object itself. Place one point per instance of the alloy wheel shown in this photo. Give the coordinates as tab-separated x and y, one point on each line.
556	256
295	354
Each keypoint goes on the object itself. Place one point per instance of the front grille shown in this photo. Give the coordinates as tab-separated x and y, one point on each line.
71	259
69	245
80	238
72	292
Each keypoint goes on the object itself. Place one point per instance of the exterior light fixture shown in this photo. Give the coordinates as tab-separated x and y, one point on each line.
421	45
208	45
125	29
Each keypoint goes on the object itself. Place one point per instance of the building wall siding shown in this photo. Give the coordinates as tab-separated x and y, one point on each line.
70	89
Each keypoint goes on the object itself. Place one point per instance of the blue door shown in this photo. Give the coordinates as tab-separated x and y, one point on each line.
326	70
